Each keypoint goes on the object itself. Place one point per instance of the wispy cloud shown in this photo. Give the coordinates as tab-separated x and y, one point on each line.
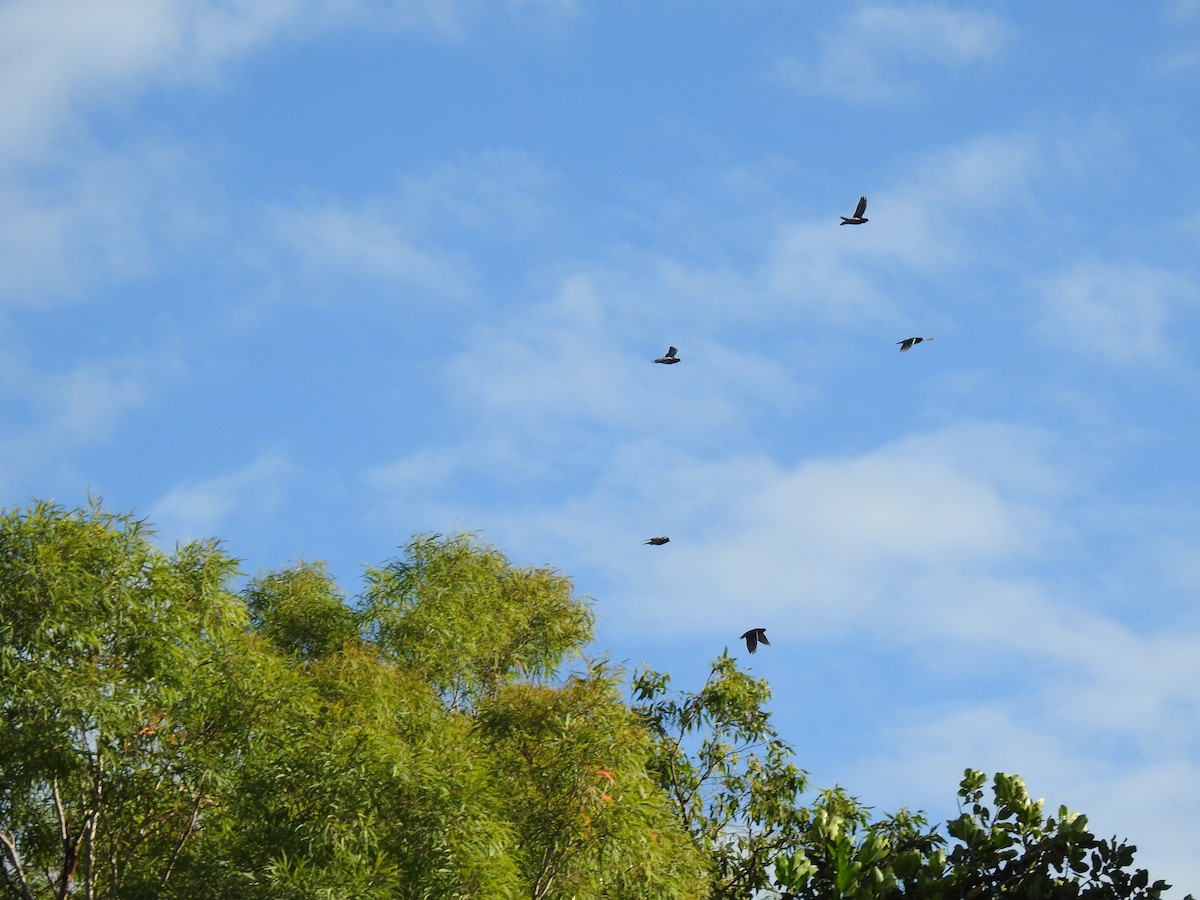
61	55
877	53
52	414
855	527
203	508
337	247
1121	313
583	358
411	233
85	403
927	221
100	217
1182	9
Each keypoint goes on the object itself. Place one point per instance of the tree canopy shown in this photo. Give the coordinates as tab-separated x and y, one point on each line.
164	733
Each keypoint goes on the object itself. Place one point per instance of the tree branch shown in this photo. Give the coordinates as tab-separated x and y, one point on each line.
187	832
21	885
70	848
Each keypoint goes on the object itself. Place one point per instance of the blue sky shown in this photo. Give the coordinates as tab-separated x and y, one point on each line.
314	276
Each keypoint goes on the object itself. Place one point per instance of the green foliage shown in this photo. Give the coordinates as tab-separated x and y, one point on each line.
102	637
737	792
1009	849
162	736
588	815
301	611
727	772
466	619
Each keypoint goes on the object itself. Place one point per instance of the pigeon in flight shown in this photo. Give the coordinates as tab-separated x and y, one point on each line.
670	359
658	541
908	343
858	218
755	636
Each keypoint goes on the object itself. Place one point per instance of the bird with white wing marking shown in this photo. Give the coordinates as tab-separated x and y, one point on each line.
858	218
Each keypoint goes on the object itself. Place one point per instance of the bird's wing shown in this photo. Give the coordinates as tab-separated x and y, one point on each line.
751	639
762	636
862	207
671	351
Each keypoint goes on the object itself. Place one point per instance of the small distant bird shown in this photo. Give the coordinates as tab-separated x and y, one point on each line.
908	343
858	218
658	541
753	637
670	359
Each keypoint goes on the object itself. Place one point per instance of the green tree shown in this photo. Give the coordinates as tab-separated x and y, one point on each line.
1009	849
737	792
301	611
727	772
101	638
468	621
588	816
565	757
164	736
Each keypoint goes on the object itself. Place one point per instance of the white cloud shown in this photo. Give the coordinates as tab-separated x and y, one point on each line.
203	508
61	55
406	234
871	57
857	276
840	538
1109	731
101	217
85	403
583	358
1119	313
338	248
499	192
1182	9
53	414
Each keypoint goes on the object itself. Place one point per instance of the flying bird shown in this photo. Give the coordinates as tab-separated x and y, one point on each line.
858	218
908	343
753	637
670	359
658	541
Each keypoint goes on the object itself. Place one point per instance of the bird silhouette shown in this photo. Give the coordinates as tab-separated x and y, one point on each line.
658	541
858	218
755	636
908	343
670	358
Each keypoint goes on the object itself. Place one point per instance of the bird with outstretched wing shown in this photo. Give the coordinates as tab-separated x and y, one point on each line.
754	637
859	214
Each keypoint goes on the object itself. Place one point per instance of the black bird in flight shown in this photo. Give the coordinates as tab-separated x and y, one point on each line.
858	218
658	541
755	636
670	359
908	343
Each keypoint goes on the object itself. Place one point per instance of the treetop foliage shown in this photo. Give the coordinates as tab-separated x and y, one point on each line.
163	734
